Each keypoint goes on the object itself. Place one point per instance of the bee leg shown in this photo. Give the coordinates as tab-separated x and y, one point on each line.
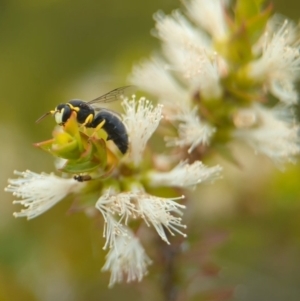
98	127
88	120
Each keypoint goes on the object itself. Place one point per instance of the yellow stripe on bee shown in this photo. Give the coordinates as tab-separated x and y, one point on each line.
73	108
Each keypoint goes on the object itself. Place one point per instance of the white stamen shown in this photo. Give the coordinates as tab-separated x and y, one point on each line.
138	204
126	259
192	131
185	175
39	192
273	132
141	119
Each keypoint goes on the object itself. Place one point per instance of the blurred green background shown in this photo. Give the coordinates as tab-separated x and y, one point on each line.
55	50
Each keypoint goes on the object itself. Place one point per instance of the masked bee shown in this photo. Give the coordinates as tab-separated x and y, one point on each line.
92	116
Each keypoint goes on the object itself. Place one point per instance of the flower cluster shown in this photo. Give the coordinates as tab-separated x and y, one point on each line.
223	75
122	185
221	66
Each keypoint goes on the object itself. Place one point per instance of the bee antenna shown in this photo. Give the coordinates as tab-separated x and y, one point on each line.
43	116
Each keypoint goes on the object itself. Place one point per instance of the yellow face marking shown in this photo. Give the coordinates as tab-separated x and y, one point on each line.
58	116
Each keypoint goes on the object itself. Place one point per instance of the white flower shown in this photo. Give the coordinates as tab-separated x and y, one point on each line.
185	175
114	203
113	229
202	72
176	30
193	69
197	68
141	119
137	204
111	205
284	91
159	212
190	54
126	259
39	192
272	132
153	76
192	131
209	14
279	64
191	65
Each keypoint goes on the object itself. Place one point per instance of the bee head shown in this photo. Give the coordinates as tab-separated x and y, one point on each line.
62	113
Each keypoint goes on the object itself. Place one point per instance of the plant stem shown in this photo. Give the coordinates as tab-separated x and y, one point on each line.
168	254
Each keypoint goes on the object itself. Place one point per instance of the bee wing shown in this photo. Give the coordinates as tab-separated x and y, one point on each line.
113	95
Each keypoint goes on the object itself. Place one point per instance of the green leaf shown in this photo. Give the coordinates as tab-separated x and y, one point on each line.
67	151
100	149
94	157
238	47
246	9
81	166
256	25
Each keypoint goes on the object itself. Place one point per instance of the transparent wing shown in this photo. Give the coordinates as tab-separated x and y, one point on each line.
113	95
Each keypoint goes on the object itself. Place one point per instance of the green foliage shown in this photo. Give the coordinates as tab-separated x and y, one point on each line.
245	10
246	24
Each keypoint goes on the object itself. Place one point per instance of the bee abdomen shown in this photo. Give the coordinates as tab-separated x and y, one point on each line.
114	128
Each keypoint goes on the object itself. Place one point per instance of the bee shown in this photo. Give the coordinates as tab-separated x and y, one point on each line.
90	115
